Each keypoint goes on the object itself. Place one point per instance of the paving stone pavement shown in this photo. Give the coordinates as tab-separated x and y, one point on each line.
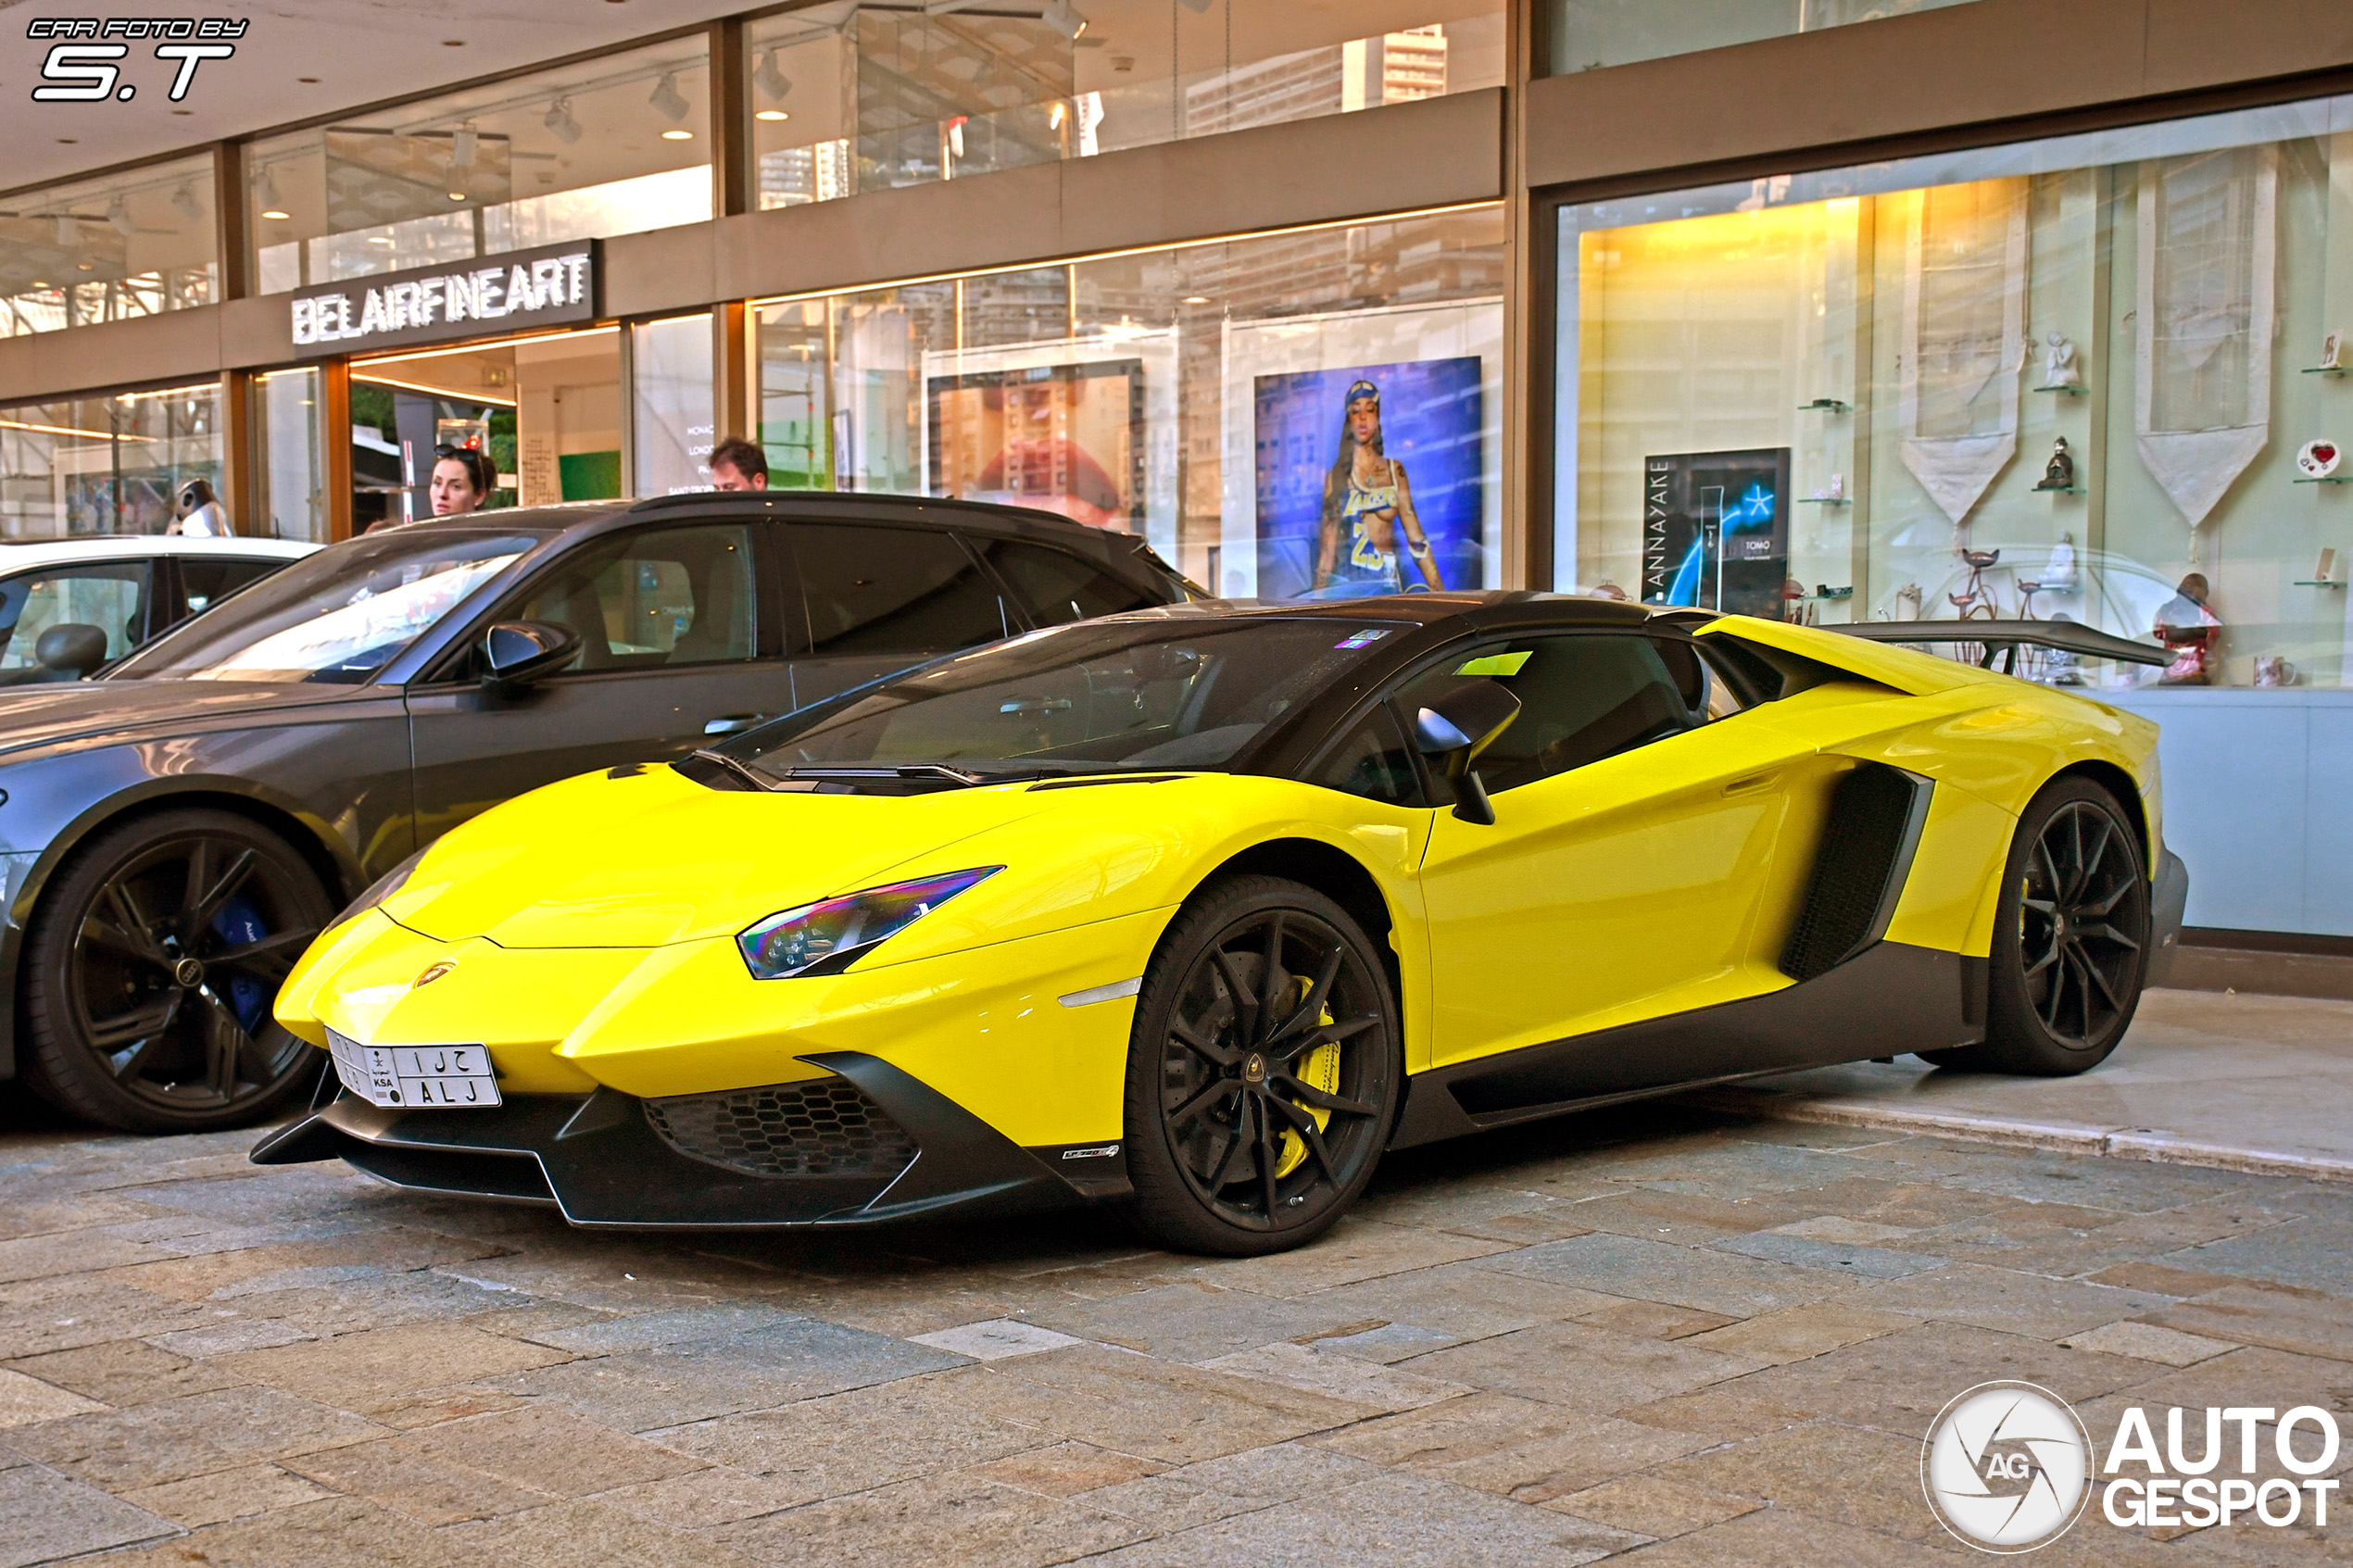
1662	1335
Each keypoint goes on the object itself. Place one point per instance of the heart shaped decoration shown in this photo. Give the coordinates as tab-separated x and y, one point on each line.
2318	458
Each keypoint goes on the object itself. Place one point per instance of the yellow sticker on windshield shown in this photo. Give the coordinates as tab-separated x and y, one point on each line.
1496	664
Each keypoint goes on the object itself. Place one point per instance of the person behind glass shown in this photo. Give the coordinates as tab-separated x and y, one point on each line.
738	464
1365	498
462	480
196	512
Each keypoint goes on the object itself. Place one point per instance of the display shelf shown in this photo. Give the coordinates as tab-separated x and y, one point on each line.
1826	406
1836	596
2327	370
2060	489
2318	582
2325	479
1826	500
2067	391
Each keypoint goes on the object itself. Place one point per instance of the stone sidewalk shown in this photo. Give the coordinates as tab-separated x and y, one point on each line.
1666	1335
2232	1081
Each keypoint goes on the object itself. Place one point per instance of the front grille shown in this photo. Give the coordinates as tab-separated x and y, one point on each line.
822	1128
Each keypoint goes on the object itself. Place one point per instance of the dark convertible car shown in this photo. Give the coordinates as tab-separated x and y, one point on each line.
173	834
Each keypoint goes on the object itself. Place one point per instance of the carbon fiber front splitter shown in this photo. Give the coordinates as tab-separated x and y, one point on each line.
596	1157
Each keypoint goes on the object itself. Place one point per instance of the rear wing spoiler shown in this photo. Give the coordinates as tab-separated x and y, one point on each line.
1994	636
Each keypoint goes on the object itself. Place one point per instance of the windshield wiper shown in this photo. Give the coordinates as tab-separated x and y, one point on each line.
956	776
727	764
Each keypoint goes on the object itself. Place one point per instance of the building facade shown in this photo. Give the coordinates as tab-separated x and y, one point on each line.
1823	309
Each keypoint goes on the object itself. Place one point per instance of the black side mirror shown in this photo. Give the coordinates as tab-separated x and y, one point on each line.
71	648
516	655
1460	724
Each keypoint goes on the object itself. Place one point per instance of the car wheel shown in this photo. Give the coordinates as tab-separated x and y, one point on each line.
2070	938
1264	1074
150	967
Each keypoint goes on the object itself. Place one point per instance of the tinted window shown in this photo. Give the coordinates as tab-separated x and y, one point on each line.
207	581
1582	698
1372	762
1058	586
895	591
113	598
664	598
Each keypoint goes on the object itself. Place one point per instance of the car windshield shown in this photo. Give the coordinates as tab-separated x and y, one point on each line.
339	616
1092	697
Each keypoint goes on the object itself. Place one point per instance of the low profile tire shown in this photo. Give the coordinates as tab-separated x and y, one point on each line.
2070	939
1264	1072
150	967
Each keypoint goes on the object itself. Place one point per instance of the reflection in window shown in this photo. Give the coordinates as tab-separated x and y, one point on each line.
110	249
1588	34
616	145
674	597
106	465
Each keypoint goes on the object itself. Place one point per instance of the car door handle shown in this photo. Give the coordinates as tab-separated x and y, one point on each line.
732	723
1752	783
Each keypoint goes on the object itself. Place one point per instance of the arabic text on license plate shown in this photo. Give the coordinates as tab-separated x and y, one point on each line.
416	1076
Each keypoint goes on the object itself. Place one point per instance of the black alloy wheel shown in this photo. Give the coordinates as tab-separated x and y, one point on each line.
152	964
1263	1072
2070	939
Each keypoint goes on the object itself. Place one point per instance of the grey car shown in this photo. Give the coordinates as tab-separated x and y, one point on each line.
173	833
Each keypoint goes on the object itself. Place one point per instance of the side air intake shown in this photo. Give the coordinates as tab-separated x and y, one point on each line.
827	1127
1874	826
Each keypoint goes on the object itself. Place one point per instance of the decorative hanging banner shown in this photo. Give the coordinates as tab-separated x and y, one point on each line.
551	286
2208	233
1964	339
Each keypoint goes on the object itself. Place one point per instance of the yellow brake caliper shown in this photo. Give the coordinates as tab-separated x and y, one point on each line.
1319	1068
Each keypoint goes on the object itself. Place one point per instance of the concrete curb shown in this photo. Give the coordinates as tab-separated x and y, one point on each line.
2057	1137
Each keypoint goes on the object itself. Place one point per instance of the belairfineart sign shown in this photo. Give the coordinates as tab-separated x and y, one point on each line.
547	287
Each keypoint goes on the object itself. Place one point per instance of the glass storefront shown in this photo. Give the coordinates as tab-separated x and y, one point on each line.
288	410
848	98
546	410
1589	34
106	465
110	249
616	145
1199	396
671	415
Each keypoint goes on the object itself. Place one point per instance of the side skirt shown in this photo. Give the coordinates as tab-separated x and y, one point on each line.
1889	1000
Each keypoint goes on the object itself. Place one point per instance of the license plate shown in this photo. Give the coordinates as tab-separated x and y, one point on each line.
415	1076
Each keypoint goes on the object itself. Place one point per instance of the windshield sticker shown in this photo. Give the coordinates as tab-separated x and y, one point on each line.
1370	634
1497	664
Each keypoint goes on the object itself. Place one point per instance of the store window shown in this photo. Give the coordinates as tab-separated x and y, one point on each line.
290	456
672	417
848	98
1282	416
545	410
615	145
1588	34
110	249
106	465
2105	378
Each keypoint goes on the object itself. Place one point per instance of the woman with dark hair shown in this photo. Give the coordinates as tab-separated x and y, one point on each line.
462	479
1366	500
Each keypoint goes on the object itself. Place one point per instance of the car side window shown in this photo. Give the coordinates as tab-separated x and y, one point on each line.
657	599
207	580
892	591
112	597
1583	697
1058	586
1706	695
1372	760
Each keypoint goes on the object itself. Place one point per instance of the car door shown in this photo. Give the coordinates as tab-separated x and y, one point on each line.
865	600
1056	585
1645	858
678	645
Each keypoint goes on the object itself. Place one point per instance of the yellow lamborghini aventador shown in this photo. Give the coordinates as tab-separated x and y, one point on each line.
1197	910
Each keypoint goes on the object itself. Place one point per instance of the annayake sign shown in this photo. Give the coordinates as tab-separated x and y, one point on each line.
534	288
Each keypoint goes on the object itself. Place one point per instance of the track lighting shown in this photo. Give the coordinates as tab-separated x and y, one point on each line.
118	218
667	100
273	205
68	231
1065	18
184	203
771	78
560	123
461	147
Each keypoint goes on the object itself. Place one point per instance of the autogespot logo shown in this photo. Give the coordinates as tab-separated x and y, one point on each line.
2008	1467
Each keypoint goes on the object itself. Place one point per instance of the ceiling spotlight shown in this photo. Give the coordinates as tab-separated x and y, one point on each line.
667	100
273	205
1065	18
560	123
461	147
677	136
184	203
118	218
771	78
771	114
68	230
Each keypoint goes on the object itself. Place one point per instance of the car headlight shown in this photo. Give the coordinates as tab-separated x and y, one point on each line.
827	938
381	889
